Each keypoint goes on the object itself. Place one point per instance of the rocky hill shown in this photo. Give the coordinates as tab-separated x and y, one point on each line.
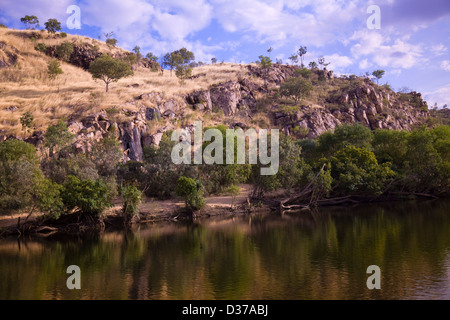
141	109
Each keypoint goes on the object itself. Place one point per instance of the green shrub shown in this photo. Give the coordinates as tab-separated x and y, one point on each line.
296	88
48	197
192	192
64	51
132	197
63	35
356	170
111	42
305	73
89	197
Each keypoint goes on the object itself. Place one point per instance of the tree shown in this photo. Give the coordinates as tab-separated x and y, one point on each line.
170	61
322	62
132	197
109	70
64	51
18	167
54	70
218	177
88	196
192	192
265	63
294	58
106	154
355	135
313	65
296	88
356	170
57	138
52	25
137	51
22	184
182	59
183	72
213	60
301	52
111	42
31	22
150	56
26	121
233	191
378	74
291	172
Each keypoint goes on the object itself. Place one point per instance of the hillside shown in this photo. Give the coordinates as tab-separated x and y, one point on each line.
150	103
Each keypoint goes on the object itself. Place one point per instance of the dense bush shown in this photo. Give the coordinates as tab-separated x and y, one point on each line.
41	47
88	196
356	170
22	184
64	51
192	192
132	197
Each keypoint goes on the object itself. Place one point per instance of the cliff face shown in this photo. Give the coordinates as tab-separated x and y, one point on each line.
237	103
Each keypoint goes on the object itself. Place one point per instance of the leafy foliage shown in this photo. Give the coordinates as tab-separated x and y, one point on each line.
52	26
357	170
57	138
54	69
30	22
192	192
296	88
41	47
109	70
132	197
27	120
64	51
88	196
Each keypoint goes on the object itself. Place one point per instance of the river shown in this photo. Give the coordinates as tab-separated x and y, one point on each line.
319	255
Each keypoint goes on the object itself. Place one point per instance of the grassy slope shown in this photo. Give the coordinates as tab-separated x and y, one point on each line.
28	87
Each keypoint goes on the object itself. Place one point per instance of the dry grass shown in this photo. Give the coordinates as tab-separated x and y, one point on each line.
28	87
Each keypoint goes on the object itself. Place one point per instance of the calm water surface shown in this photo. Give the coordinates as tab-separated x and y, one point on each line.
323	255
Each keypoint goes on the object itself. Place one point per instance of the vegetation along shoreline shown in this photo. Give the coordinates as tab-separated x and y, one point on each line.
78	154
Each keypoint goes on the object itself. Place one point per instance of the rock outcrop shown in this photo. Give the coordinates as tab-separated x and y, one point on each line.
373	106
364	102
83	55
8	55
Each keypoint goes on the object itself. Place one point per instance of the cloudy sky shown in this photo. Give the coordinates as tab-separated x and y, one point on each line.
412	45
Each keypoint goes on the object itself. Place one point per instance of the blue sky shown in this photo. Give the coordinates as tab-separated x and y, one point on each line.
413	44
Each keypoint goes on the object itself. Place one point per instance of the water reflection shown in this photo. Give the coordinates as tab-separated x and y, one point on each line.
323	255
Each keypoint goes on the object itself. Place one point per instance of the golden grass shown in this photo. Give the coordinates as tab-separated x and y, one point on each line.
28	86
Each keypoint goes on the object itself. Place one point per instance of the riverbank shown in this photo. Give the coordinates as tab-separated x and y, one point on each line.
173	210
151	211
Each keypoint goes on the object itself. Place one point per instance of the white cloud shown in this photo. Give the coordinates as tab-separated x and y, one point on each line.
365	64
274	21
385	52
439	50
338	62
445	65
440	96
396	72
175	19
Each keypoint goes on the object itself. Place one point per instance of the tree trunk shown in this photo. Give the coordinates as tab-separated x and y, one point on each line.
107	86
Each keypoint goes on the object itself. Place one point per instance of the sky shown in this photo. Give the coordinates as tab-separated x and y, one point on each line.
412	43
